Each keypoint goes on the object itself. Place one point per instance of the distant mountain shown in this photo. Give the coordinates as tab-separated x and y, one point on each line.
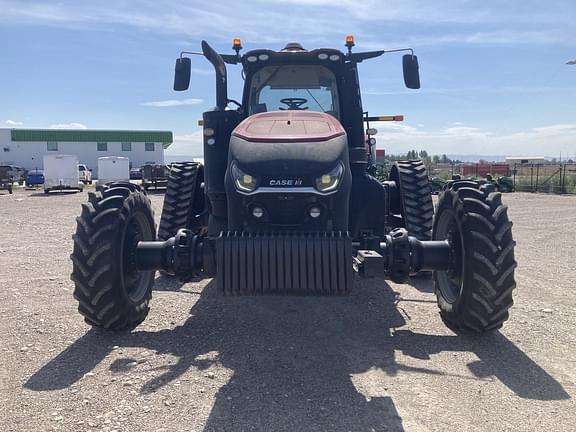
477	158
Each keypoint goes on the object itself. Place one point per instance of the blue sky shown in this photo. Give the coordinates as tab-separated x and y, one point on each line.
494	79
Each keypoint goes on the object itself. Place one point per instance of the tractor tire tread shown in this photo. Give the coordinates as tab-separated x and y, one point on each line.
182	199
95	275
486	296
416	198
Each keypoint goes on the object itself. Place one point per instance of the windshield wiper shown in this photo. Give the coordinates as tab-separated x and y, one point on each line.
315	100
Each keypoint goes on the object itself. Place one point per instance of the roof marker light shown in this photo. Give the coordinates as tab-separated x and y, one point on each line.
349	43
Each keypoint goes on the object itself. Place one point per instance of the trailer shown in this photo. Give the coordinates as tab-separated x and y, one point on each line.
61	173
112	169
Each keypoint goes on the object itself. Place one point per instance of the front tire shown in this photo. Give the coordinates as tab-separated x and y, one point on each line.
476	293
184	203
111	292
414	202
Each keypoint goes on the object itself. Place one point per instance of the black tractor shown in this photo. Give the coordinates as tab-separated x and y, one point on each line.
285	204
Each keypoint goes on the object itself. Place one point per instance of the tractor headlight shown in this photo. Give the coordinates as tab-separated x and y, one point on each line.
242	181
330	181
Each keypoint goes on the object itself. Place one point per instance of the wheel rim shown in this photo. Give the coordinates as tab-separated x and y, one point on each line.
134	282
451	281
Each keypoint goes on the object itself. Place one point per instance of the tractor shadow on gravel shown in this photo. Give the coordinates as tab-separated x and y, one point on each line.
292	359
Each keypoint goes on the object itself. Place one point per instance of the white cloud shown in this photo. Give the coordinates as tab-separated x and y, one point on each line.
190	144
173	102
73	125
398	138
13	123
550	140
317	21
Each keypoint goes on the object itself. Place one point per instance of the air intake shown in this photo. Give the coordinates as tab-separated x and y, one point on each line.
293	46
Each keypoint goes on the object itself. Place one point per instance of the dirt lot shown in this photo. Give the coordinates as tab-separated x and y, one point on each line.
378	360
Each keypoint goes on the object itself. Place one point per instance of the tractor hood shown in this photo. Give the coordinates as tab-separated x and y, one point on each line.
292	126
289	142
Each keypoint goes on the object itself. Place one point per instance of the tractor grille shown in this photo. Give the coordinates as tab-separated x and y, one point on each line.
284	263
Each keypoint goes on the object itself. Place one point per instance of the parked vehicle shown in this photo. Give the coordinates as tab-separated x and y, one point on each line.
501	184
113	169
85	174
135	174
35	177
505	184
287	205
6	180
17	173
437	184
155	176
61	173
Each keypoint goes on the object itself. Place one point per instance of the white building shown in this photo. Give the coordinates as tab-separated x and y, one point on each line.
27	147
512	160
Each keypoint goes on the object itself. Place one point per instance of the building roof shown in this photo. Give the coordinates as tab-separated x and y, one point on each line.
91	135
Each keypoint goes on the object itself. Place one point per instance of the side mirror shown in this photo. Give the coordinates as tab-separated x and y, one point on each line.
411	73
182	73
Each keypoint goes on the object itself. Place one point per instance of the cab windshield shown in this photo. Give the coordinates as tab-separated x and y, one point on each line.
292	87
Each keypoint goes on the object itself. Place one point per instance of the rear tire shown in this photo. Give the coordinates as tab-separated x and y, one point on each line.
184	202
475	295
111	292
415	198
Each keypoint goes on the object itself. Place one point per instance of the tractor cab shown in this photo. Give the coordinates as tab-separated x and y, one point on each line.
284	159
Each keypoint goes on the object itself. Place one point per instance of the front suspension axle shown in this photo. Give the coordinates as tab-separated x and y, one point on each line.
396	256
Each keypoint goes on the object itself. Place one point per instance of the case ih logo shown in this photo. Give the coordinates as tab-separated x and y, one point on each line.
286	182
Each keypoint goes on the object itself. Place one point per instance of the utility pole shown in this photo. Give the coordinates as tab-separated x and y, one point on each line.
569	63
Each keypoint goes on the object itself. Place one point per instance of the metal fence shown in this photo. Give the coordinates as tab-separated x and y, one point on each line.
547	178
537	177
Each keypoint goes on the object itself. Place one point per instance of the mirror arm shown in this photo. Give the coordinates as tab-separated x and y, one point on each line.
190	52
359	57
400	50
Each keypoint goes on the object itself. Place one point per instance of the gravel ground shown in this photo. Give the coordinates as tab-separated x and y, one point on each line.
377	360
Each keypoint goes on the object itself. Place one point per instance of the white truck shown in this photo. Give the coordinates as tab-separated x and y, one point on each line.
112	169
85	174
61	173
